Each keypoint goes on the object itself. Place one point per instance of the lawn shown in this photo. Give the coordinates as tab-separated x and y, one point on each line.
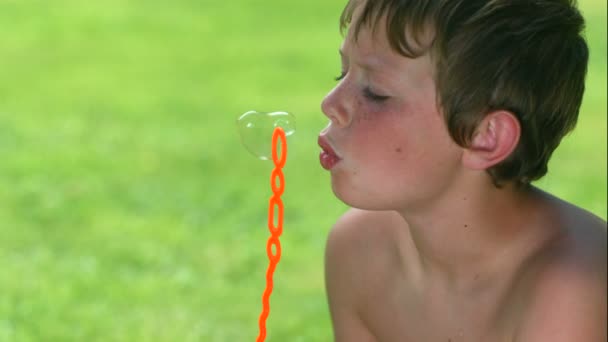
129	210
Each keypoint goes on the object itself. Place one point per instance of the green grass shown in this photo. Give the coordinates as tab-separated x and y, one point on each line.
129	210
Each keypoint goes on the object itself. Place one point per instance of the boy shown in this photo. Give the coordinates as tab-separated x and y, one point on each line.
444	113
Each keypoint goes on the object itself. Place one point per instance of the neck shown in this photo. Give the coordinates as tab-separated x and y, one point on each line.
471	236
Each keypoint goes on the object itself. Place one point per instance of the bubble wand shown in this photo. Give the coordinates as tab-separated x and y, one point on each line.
252	121
275	231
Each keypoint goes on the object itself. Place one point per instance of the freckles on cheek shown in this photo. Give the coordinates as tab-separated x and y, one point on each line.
398	153
365	112
358	103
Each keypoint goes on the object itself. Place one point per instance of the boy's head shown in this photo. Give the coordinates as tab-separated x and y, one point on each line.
526	57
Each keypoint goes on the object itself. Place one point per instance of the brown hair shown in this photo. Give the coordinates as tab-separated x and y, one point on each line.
524	56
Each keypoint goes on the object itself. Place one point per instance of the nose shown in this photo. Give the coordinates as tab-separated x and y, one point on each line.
335	106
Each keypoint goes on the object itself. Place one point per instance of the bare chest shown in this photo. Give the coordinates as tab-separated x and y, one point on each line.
398	316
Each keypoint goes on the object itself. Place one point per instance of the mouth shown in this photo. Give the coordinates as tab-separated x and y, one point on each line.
328	156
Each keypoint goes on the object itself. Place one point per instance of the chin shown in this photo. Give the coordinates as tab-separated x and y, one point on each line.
349	195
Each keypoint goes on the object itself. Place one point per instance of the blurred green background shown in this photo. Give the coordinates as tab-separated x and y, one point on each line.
129	211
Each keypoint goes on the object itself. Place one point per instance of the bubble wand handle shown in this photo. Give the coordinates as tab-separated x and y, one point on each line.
275	231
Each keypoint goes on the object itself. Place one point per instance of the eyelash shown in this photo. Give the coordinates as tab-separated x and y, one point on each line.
367	92
341	76
373	96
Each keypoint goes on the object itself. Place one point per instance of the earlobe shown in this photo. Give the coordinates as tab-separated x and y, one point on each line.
494	140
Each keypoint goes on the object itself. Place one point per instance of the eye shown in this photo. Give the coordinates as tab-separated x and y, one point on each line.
368	93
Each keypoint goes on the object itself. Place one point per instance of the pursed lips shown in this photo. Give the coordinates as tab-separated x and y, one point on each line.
328	157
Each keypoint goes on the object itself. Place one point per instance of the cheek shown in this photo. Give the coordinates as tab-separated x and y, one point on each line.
405	145
380	141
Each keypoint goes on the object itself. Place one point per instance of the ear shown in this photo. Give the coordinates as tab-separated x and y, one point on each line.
495	138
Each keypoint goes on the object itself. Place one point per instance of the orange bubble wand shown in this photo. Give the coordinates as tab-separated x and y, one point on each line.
275	231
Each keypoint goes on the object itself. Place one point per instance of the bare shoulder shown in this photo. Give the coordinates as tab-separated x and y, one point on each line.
363	229
568	297
362	240
357	256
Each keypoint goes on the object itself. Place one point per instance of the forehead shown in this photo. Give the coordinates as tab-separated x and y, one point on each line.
367	35
407	25
370	43
370	48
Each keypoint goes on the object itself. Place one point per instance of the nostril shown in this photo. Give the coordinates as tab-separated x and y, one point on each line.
328	109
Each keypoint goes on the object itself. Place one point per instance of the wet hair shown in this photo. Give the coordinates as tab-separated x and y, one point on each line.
528	57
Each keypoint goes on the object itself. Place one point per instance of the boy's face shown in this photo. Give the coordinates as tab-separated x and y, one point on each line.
384	125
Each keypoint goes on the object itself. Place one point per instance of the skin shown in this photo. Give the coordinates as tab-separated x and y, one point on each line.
434	251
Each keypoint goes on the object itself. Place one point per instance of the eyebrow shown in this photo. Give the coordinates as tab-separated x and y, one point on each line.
363	65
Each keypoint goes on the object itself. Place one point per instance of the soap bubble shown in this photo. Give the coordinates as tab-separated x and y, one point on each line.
256	129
